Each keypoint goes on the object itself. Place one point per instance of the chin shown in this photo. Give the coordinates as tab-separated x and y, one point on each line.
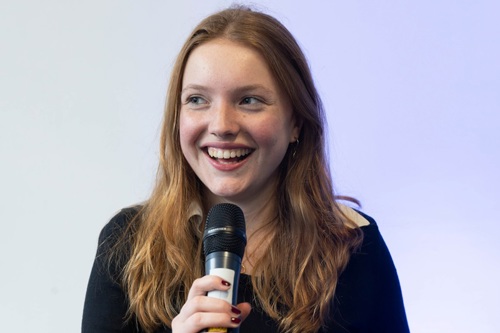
226	195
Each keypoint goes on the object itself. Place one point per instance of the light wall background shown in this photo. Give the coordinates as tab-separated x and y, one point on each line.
412	91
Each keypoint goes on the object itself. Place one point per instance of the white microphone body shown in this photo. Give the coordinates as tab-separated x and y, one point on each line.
226	265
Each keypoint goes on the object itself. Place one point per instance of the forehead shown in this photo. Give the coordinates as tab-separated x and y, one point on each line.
224	60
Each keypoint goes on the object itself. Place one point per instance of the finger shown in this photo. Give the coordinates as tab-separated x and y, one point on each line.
209	305
204	320
244	309
207	283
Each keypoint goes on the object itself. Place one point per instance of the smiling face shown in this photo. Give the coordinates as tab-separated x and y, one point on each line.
235	123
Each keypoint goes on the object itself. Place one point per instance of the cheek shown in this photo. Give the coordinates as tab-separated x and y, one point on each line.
273	131
270	135
187	132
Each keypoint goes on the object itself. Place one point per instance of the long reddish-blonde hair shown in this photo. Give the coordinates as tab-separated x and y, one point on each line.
164	253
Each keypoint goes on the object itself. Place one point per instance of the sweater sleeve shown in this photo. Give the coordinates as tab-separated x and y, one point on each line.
106	304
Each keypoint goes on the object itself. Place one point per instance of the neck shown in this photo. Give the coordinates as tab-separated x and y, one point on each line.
257	217
258	212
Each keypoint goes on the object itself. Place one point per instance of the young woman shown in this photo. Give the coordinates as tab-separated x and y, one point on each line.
243	124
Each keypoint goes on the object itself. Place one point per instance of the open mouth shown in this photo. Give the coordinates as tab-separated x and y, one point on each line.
229	155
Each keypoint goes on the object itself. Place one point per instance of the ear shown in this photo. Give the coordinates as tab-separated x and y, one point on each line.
296	127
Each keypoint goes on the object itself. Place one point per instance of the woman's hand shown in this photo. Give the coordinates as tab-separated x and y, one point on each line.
201	312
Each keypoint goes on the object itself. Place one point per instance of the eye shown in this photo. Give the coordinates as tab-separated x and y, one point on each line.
250	100
252	103
196	100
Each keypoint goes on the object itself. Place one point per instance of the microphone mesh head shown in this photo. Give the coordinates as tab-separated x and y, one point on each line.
225	230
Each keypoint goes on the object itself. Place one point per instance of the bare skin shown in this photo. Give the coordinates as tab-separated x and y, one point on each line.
201	311
235	128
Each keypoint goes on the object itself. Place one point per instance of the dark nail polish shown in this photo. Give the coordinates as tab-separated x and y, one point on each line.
227	284
235	310
235	320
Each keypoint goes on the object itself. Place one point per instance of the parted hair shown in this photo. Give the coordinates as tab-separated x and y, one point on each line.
163	244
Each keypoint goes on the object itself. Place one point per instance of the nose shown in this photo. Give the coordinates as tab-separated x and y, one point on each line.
224	121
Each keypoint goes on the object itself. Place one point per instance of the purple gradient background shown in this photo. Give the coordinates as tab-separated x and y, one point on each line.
412	91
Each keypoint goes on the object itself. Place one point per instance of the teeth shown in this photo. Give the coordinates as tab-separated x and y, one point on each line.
227	153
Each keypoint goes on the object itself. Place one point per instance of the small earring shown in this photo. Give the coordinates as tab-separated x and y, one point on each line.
295	145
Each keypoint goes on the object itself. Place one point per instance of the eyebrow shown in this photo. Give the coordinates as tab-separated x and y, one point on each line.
243	89
194	87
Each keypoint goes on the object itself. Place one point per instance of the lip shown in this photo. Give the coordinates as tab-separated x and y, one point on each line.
224	166
225	145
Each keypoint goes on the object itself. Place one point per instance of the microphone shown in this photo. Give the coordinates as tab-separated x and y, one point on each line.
224	241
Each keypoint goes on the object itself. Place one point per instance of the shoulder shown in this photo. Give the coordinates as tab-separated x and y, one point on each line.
106	303
373	253
360	219
118	231
118	223
371	265
113	248
368	292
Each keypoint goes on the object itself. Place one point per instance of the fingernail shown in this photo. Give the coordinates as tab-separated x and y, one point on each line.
235	320
235	310
227	284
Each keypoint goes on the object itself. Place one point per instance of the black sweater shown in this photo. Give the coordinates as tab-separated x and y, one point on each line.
367	299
